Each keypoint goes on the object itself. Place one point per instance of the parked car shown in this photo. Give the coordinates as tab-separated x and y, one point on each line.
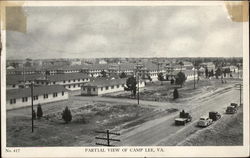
231	110
204	121
235	105
183	118
214	115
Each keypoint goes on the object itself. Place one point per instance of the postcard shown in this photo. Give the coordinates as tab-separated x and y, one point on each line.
124	79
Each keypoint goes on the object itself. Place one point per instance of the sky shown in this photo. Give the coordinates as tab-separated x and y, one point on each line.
126	31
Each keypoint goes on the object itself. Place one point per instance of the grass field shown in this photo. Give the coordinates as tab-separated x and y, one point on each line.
52	131
157	92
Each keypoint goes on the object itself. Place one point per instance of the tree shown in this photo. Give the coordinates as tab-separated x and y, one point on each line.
172	81
181	64
123	75
131	85
39	112
175	93
218	73
180	78
103	73
66	115
160	77
206	72
226	71
211	73
149	78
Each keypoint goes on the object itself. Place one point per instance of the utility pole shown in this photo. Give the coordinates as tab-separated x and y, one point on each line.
107	138
138	67
32	108
238	71
240	94
138	78
194	77
23	77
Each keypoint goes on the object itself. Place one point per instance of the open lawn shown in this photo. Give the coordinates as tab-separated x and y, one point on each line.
156	91
52	131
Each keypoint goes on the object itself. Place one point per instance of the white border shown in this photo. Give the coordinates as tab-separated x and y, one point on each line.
208	151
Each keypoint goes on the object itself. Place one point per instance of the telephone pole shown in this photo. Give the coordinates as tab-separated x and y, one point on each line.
138	67
138	95
240	93
32	108
194	77
107	138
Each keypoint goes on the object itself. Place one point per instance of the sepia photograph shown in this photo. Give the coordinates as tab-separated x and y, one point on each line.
124	79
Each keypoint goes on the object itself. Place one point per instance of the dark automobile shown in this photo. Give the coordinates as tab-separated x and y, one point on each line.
214	115
183	119
231	110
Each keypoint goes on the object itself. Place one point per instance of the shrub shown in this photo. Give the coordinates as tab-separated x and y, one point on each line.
39	111
176	94
66	115
34	114
180	78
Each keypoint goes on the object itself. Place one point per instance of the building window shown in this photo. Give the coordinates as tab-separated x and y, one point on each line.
13	86
45	96
79	85
54	95
35	97
12	101
118	86
101	88
83	88
74	85
62	93
69	81
93	89
63	81
74	80
69	86
107	88
112	87
54	82
25	99
79	80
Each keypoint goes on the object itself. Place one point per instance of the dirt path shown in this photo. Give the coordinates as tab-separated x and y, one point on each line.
163	131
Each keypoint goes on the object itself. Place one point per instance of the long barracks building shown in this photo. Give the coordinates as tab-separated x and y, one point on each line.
17	98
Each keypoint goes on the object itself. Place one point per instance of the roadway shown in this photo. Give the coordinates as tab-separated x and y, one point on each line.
163	131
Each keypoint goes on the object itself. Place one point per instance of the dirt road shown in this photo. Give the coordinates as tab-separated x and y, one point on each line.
164	132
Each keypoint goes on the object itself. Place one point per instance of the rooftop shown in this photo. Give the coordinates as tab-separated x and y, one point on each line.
67	76
106	82
40	90
15	79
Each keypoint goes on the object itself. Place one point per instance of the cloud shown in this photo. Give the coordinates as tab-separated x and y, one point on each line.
126	31
88	43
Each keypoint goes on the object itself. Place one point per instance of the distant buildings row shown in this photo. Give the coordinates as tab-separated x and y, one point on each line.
55	83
